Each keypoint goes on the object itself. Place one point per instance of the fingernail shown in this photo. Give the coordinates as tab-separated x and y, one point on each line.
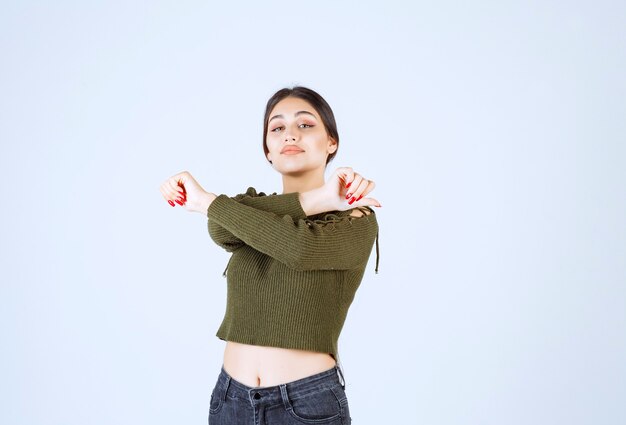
359	197
348	196
348	185
170	202
351	200
178	202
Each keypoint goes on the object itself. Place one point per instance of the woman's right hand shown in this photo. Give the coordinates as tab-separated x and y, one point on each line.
183	189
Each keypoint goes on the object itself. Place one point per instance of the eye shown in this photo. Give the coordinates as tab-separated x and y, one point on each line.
301	126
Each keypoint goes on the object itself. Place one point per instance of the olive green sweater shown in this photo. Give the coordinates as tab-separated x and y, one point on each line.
291	278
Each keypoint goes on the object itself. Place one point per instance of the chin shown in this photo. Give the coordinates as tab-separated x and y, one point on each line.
294	169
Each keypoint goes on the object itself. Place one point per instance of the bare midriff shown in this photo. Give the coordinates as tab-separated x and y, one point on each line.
260	366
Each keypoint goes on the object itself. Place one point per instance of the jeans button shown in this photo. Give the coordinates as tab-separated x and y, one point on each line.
257	396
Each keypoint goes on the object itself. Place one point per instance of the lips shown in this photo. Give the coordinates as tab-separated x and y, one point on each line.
291	150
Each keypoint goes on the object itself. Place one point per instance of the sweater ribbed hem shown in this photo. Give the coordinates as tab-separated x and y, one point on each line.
292	343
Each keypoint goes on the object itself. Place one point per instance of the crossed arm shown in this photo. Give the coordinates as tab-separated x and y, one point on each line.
277	225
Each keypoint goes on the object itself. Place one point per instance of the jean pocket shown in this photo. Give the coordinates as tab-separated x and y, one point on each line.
217	400
320	407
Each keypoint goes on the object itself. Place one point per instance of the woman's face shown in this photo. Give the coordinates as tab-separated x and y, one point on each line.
296	138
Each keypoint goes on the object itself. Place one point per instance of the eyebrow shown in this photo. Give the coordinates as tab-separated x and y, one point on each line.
295	115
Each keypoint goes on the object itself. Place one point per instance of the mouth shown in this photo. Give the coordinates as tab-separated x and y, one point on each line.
291	151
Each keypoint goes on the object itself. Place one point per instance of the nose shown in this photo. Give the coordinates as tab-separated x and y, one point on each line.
290	134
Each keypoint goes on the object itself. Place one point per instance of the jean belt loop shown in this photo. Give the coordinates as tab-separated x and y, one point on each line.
226	386
341	379
285	396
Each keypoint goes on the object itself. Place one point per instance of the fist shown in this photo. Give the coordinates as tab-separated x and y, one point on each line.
183	189
348	188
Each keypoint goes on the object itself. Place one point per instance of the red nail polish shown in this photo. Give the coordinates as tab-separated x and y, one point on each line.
348	185
351	200
178	202
359	197
348	196
170	202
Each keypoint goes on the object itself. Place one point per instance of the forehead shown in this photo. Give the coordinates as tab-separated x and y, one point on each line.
290	105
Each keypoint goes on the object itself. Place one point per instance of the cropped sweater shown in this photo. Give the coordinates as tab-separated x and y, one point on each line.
291	277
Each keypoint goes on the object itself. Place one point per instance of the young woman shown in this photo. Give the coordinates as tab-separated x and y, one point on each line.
297	261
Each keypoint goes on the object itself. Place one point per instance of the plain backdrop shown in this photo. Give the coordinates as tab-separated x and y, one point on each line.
495	132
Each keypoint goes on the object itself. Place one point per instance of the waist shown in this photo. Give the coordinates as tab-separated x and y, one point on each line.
272	394
261	366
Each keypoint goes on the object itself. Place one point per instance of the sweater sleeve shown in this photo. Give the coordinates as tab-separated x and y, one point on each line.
302	244
284	204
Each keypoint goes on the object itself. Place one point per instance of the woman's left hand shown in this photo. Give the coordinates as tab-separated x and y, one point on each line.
351	188
345	189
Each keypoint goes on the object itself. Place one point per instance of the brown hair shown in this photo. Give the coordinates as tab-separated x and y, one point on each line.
315	100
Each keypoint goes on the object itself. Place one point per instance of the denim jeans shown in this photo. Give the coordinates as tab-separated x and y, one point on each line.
316	399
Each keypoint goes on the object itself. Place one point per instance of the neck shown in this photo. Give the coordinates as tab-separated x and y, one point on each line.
303	182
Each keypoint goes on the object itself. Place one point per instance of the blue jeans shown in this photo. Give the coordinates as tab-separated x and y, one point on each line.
316	399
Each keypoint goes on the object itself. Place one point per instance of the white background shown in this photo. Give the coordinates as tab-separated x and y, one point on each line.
495	132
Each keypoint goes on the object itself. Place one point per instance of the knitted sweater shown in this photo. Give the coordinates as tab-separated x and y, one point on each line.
291	278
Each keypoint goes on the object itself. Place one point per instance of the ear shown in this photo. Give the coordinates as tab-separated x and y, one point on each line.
332	145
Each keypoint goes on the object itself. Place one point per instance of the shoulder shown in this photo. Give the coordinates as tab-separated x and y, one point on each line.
343	216
360	211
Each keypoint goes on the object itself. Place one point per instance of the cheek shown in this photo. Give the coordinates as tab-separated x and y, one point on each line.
271	143
322	147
